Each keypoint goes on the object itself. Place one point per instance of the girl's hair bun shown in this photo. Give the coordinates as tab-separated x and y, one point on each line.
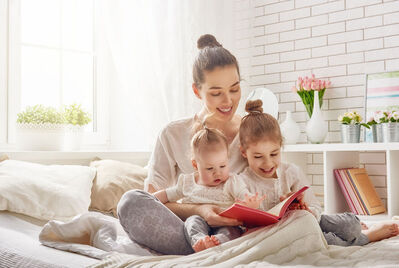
254	106
207	40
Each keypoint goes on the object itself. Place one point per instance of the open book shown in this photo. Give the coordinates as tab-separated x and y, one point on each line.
257	217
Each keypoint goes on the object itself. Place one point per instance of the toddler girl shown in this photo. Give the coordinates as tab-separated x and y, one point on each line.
210	184
261	142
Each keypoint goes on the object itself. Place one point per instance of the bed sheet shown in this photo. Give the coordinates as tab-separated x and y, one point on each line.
20	246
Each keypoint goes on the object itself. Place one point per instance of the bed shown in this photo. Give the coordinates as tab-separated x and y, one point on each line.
93	239
20	246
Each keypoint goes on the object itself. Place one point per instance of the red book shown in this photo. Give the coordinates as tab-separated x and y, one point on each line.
257	217
345	191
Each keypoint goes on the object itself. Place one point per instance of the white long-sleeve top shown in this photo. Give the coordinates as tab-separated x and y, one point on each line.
289	179
223	195
172	155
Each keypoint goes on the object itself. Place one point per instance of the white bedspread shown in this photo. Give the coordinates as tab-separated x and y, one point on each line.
295	240
92	234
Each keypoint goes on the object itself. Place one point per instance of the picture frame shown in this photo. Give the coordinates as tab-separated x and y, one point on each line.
381	93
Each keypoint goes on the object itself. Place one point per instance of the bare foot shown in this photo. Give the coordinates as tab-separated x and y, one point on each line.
380	231
364	226
206	242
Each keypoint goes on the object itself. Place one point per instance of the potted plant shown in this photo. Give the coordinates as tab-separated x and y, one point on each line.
76	119
40	128
350	127
390	126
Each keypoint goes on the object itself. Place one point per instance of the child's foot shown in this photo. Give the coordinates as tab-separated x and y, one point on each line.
364	226
380	231
206	242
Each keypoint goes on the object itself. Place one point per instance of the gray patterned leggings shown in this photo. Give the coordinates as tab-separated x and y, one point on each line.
343	229
150	223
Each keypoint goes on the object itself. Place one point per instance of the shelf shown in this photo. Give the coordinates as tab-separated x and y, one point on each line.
341	147
339	155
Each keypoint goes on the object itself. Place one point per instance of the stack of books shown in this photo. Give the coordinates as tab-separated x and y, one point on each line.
359	192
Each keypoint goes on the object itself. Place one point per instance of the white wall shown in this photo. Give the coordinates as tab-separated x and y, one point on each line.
338	39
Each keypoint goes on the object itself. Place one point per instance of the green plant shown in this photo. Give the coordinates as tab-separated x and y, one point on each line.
40	114
352	118
75	115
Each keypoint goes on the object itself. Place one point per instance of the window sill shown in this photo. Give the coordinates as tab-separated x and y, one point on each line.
76	157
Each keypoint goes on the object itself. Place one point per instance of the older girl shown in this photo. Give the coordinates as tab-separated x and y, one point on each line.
261	143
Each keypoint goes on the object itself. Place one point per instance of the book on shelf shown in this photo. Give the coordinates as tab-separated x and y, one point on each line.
256	217
358	190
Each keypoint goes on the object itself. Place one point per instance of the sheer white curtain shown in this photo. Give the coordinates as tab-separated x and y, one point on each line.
152	46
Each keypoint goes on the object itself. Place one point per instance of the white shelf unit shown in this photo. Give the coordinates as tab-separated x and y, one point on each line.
347	155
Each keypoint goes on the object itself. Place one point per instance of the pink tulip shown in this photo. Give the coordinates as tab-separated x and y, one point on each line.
294	89
328	84
313	85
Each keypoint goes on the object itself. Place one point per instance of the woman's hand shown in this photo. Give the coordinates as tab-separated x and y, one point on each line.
251	201
211	215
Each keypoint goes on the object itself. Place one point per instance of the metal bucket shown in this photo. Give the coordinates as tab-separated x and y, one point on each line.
377	132
350	133
390	132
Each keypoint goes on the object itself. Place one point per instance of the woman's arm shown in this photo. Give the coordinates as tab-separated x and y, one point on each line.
209	212
162	196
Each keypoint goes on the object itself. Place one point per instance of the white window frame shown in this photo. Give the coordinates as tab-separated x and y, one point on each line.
101	82
3	71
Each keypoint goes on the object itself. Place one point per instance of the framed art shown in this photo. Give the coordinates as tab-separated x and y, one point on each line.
382	94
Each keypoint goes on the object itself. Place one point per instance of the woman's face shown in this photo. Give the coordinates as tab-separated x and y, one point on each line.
221	92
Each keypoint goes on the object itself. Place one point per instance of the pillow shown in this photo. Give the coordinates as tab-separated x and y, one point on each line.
113	179
45	191
3	157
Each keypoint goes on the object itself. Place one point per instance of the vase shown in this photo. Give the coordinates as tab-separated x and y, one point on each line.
316	128
390	132
350	133
39	137
73	137
290	129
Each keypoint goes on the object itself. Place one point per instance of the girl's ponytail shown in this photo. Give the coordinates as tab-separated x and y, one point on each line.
204	136
256	125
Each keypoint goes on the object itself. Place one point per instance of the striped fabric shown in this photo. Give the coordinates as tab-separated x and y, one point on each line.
12	259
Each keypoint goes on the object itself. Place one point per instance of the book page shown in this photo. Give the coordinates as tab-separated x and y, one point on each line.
277	208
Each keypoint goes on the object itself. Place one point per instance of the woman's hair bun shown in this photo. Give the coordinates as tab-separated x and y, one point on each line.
254	106
207	40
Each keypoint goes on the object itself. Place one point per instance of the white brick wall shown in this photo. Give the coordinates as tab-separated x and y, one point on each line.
337	39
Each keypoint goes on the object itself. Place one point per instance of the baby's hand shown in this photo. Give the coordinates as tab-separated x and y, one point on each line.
251	201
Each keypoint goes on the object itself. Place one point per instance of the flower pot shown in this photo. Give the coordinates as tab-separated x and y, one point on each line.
73	137
316	128
390	132
290	130
39	137
350	133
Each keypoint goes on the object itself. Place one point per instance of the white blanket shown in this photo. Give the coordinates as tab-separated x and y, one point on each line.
295	240
92	234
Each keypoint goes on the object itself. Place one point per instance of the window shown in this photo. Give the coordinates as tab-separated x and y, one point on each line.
53	56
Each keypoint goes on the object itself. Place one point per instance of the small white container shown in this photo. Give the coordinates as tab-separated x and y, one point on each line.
73	137
290	129
39	137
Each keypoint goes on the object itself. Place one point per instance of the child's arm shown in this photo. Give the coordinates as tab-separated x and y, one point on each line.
306	200
251	201
161	195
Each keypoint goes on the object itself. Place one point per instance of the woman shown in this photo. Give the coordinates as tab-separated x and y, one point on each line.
147	221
